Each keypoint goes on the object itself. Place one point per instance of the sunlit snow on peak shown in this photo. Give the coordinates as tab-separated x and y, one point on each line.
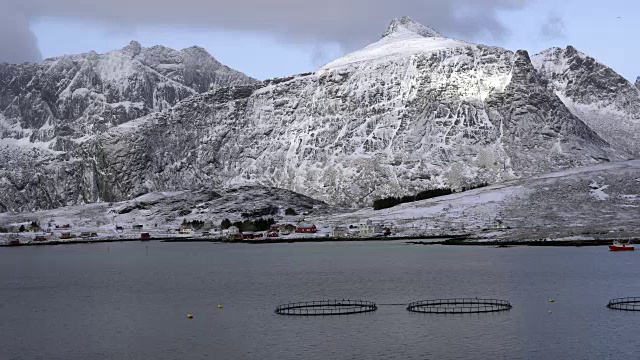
407	26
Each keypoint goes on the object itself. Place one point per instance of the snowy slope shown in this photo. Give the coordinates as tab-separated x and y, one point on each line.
598	202
601	201
603	99
70	98
48	110
158	212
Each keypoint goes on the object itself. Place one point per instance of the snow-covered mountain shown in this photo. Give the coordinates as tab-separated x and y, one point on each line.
411	111
596	94
47	110
64	100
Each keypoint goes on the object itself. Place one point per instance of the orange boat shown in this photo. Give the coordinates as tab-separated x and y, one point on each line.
619	246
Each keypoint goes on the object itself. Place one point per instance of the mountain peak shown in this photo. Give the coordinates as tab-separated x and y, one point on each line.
197	51
133	49
406	25
638	82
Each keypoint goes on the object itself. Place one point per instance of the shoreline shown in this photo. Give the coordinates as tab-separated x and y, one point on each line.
530	243
446	240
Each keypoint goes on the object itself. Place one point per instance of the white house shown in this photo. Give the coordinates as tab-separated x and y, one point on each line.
366	228
340	232
498	225
233	230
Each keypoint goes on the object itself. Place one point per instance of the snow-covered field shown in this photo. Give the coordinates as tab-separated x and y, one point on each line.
598	202
161	214
602	201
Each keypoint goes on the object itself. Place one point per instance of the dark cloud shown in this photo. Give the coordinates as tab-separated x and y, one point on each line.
349	23
17	42
553	28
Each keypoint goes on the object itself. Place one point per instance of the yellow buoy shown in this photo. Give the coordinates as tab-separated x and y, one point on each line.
219	306
552	300
189	316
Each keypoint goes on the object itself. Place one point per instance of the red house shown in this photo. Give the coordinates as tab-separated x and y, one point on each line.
145	236
306	229
273	234
248	235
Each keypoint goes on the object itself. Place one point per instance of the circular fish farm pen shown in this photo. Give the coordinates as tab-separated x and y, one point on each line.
459	306
625	304
327	308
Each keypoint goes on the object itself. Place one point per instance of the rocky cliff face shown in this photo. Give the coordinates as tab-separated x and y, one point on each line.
412	111
48	110
65	100
596	94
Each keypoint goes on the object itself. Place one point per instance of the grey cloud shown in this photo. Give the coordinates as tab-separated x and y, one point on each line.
553	28
348	23
17	42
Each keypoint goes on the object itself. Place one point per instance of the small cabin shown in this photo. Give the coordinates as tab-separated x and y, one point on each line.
137	227
41	238
273	234
186	231
306	229
66	235
286	229
85	234
340	232
119	228
145	236
206	233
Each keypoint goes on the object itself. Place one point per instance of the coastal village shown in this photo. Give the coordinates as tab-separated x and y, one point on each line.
33	233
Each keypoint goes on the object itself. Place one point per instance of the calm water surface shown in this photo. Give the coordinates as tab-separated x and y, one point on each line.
130	300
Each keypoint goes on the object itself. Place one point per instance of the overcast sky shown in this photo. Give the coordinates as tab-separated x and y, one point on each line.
267	38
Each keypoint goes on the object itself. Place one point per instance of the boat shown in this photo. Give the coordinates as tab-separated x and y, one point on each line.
620	246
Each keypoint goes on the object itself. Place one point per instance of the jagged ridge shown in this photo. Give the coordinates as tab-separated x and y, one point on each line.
603	99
